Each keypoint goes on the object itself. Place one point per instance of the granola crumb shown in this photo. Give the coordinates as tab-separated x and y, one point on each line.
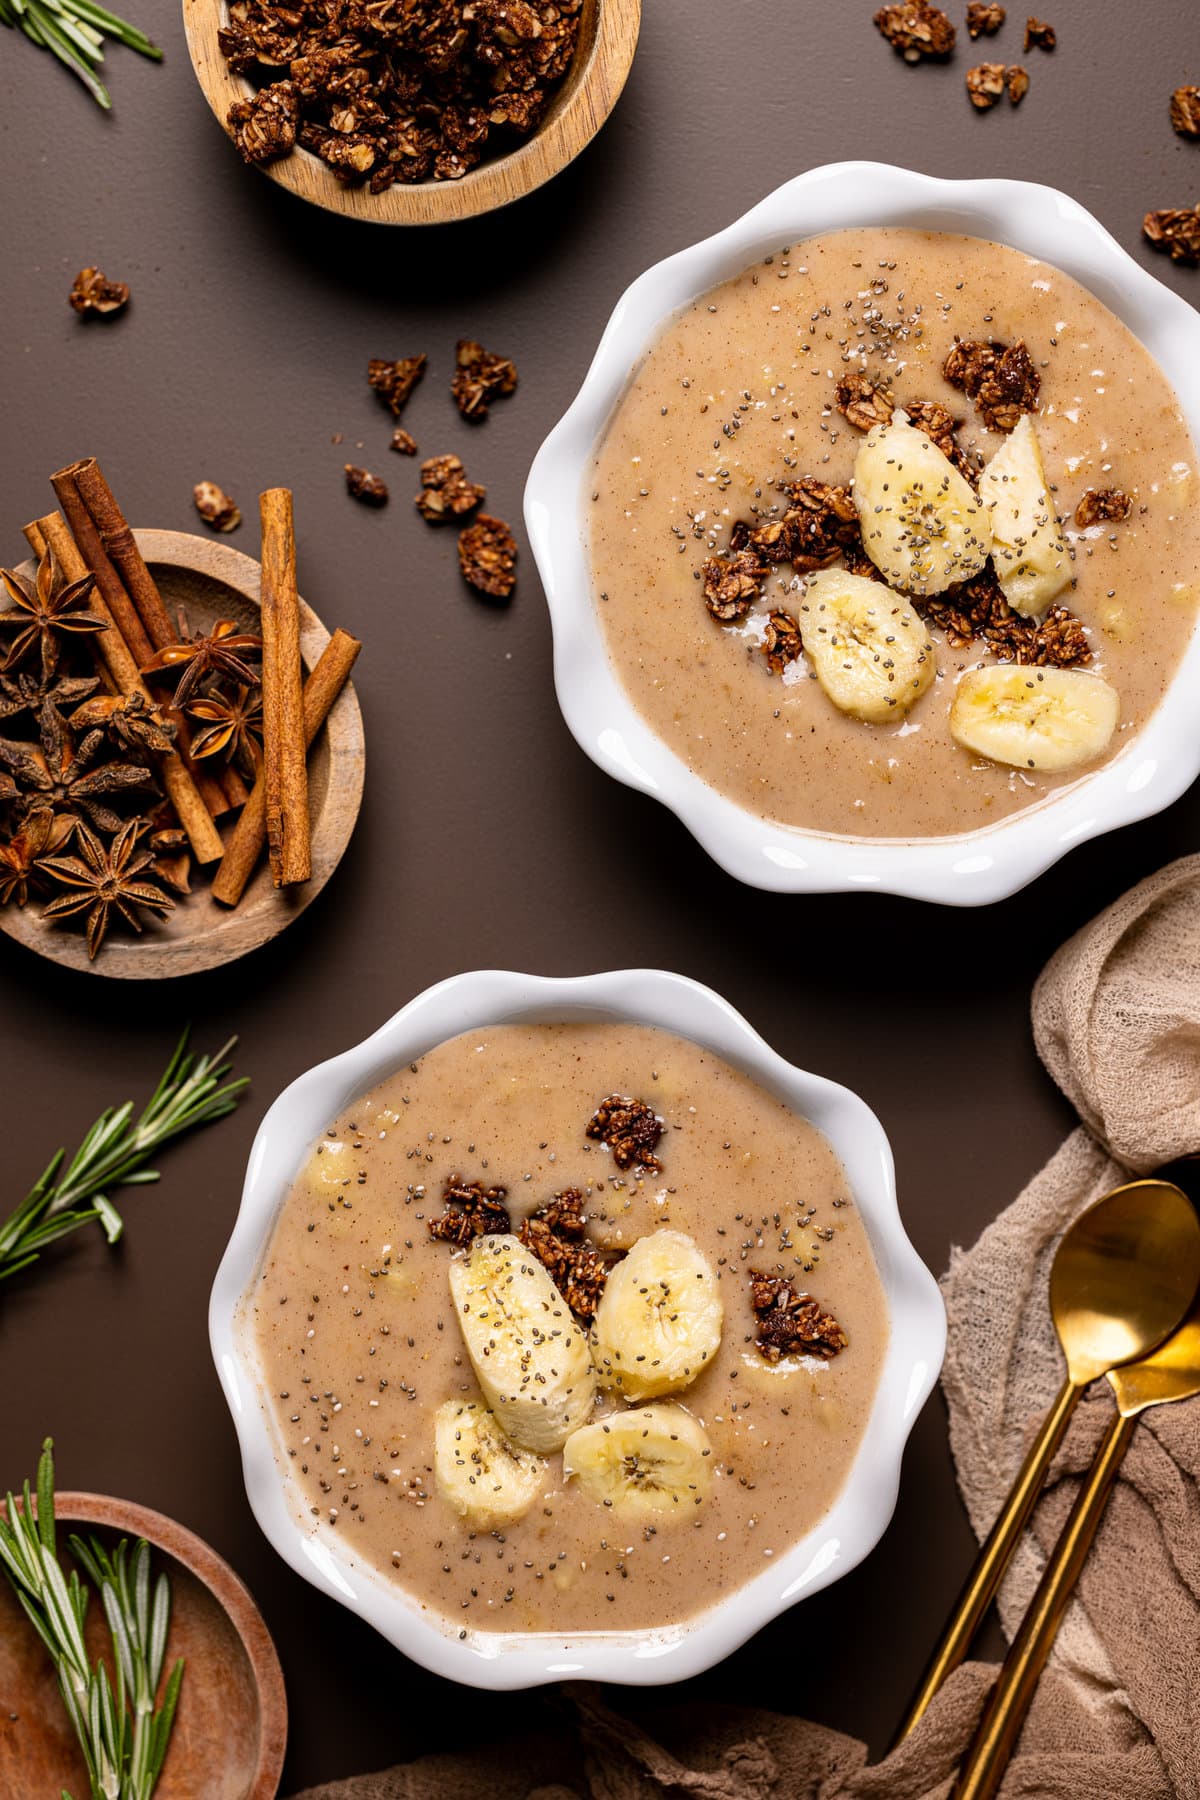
1185	111
631	1130
403	442
555	1235
791	1323
1099	504
265	127
487	556
216	507
1175	229
469	1211
1039	35
985	84
1017	83
941	428
814	530
446	494
915	29
479	378
730	585
395	381
1001	380
370	489
782	643
863	402
984	20
977	609
93	295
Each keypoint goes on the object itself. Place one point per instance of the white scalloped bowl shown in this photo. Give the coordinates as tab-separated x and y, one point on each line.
977	867
859	1515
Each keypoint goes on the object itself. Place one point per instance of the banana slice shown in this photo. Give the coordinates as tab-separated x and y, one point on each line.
1048	719
923	525
487	1480
530	1357
869	648
1028	549
659	1319
650	1462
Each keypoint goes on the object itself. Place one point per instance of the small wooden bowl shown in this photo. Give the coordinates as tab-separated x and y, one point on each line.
608	36
231	1728
211	580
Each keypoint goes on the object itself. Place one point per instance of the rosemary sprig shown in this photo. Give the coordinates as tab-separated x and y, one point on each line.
74	32
123	1754
113	1155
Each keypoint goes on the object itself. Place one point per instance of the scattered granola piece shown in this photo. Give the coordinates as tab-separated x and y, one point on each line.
1185	111
1002	381
940	425
470	1211
915	29
395	381
265	126
731	584
813	531
863	402
446	493
1017	83
1102	503
1039	35
782	644
978	609
630	1129
487	556
403	442
792	1324
555	1235
1175	229
93	295
985	84
479	377
984	20
215	506
370	489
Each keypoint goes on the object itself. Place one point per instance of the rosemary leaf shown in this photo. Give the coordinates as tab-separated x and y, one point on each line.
74	31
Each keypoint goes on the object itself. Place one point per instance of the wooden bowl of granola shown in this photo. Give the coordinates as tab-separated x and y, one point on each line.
474	159
210	580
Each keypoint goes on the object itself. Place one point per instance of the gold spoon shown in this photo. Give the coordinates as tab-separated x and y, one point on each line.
1123	1277
1172	1372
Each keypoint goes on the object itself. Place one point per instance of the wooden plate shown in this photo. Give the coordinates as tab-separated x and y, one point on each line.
211	580
608	36
231	1727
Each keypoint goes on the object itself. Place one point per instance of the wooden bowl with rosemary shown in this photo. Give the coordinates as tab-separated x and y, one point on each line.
202	582
231	1727
435	174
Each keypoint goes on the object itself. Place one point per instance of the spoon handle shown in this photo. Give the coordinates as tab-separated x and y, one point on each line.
1000	1726
995	1555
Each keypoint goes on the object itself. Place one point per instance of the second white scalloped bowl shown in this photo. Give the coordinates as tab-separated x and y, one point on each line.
858	1517
968	870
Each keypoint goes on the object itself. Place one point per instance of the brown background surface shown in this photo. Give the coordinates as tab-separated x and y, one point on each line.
486	836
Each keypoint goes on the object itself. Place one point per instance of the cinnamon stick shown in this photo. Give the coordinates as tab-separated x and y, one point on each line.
284	765
32	534
86	534
121	547
114	652
250	833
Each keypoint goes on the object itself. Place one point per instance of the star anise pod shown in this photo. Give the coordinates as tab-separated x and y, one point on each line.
108	878
40	613
233	725
22	858
130	720
57	774
25	693
200	656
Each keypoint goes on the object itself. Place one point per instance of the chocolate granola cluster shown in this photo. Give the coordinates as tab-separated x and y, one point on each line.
396	90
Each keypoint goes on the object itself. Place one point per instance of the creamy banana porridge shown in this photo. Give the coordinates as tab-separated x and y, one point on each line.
568	1328
895	534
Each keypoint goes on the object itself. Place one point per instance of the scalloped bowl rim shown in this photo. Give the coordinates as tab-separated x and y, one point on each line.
970	869
860	1513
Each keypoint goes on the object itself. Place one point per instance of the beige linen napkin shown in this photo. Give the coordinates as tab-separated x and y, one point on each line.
1116	1018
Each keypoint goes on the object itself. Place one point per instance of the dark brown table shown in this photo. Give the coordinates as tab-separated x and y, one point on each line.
486	836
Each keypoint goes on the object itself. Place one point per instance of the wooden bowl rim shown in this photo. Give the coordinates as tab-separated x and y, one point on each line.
154	958
495	183
230	1593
